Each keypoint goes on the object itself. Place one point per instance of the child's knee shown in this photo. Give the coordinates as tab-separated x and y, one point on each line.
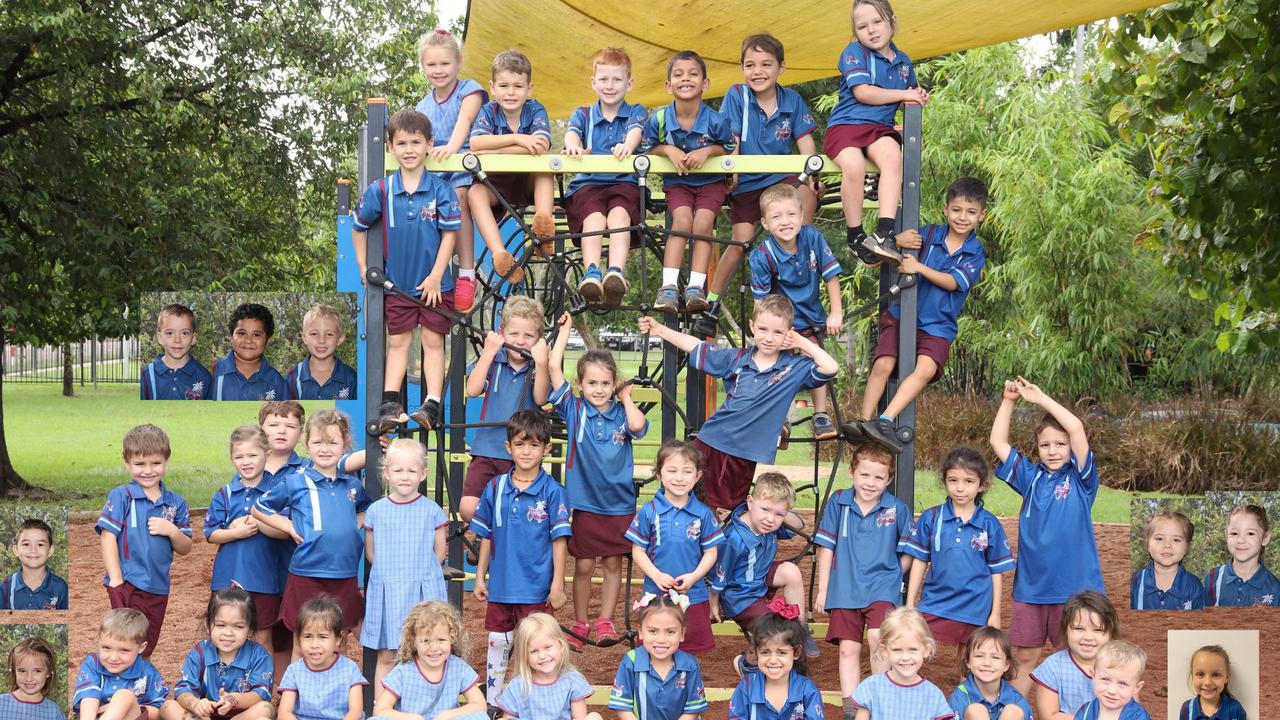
433	342
787	575
612	564
259	711
850	160
124	698
978	711
850	650
884	365
1012	712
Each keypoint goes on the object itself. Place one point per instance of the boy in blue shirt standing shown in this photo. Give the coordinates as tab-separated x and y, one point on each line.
950	262
523	526
175	375
321	375
245	374
33	587
141	526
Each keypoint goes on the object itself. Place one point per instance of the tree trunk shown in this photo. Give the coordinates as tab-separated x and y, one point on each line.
68	384
11	483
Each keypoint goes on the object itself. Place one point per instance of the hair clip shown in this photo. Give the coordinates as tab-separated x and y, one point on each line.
680	601
441	31
781	607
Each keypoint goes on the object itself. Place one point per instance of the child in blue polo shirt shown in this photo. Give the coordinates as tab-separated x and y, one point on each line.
765	119
245	373
282	421
431	670
141	526
512	124
597	202
1117	679
1208	677
875	78
420	218
598	476
323	684
1057	551
658	680
1065	678
781	689
33	586
794	260
964	549
523	526
321	375
118	679
688	133
950	263
175	374
226	674
675	539
900	693
760	384
987	659
1164	584
1245	581
860	568
321	507
33	668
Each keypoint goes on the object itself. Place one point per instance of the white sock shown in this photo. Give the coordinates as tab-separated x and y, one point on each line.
697	279
670	275
467	273
433	397
496	665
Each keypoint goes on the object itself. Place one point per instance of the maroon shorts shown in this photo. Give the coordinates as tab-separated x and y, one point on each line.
596	535
931	346
726	480
747	616
1030	625
745	207
267	607
590	199
702	197
480	471
950	632
840	137
298	589
151	605
503	617
516	188
850	624
698	637
403	315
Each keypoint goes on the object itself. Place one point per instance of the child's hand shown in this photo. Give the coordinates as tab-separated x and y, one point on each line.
441	152
791	340
820	603
534	144
697	158
539	352
576	152
248	528
922	95
480	590
621	151
910	265
624	392
664	582
565	322
647	325
835	323
205	708
227	706
994	619
678	158
1030	391
1011	391
556	598
685	582
363	269
713	607
909	239
430	289
294	534
492	343
160	526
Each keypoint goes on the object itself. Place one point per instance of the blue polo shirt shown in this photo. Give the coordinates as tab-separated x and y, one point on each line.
144	558
800	276
598	462
749	420
1057	552
860	66
283	547
641	691
506	390
742	564
341	385
206	676
1131	711
599	134
521	526
675	538
938	310
229	384
323	512
864	565
759	134
962	557
1186	593
412	223
1228	709
967	693
50	595
709	128
748	702
1225	588
161	382
492	120
249	562
94	681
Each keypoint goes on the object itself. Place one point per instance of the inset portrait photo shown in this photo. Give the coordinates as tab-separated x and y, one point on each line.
1213	674
34	562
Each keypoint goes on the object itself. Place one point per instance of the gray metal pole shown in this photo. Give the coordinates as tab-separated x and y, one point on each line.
908	219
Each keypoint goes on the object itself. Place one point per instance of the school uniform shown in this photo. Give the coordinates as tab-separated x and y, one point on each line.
598	135
967	693
1131	711
938	310
1228	709
889	700
161	382
760	134
865	567
11	708
341	385
709	128
515	188
800	276
405	569
748	702
1060	673
248	562
51	594
862	66
443	113
507	388
94	681
1224	588
1186	592
744	565
553	701
322	694
640	690
416	694
230	384
206	676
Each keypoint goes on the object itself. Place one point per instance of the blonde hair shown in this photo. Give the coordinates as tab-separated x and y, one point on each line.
528	629
328	418
525	308
407	446
124	624
907	621
774	486
436	39
778	193
146	440
778	305
37	646
320	311
175	310
249	433
1121	654
424	617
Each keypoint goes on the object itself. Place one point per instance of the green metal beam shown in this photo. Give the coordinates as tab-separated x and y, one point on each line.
609	164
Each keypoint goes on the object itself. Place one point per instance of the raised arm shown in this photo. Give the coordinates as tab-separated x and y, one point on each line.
1000	426
555	361
1069	422
827	365
480	371
635	416
685	343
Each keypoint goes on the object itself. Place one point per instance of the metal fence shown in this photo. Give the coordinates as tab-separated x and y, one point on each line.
101	360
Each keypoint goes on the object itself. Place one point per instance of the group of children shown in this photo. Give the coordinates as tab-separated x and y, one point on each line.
245	373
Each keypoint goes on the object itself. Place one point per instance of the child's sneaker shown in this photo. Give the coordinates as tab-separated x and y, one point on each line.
389	416
504	263
615	286
590	287
605	630
544	227
668	299
855	238
581	628
464	294
882	431
695	299
708	323
784	438
883	246
823	429
852	431
428	415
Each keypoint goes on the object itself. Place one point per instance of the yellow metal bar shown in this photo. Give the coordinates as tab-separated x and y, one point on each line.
729	628
609	164
601	695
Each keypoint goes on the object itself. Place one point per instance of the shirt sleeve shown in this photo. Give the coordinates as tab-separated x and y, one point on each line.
88	684
999	554
484	513
182	517
828	527
713	360
1016	471
721	133
636	120
540	124
761	271
484	124
579	688
813	709
393	681
740	701
512	698
711	532
259	674
1046	674
369	210
351	673
959	700
112	517
695	694
448	211
215	518
1088	469
371	517
864	696
192	679
968	271
276	499
560	526
802	122
290	679
828	265
720	575
649	140
918	544
63	601
363	501
904	523
731	110
814	377
156	690
564	401
853	66
435	515
641	527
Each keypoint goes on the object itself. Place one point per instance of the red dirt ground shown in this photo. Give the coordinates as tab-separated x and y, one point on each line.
191	574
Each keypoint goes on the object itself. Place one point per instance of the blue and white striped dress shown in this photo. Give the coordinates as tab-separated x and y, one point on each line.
11	708
405	570
420	696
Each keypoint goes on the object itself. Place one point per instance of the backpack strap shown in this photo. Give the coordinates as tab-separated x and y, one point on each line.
586	120
151	380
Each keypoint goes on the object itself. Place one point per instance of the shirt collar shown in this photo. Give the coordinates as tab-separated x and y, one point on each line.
662	504
948	513
610	412
701	124
535	487
133	672
44	584
1260	579
161	369
137	493
886	501
211	657
227	366
309	471
237	483
596	111
755	688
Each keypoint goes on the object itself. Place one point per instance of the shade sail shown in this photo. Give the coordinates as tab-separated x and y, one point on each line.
561	36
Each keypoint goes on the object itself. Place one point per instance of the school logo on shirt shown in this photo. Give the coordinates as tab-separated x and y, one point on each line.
51	603
702	140
888	516
784	130
428	211
979	541
797	712
537	512
813	262
1265	601
344	393
270	395
616	690
680	679
694	529
904	71
196	391
1186	605
619	437
140	686
170	513
780	375
351	494
1062	490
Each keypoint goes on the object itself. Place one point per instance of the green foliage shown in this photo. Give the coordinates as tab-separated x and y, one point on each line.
1197	82
56	636
12	517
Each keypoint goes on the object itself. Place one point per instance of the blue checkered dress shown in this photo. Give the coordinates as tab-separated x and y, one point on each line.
887	700
443	114
11	708
545	702
323	694
405	571
420	696
1060	673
